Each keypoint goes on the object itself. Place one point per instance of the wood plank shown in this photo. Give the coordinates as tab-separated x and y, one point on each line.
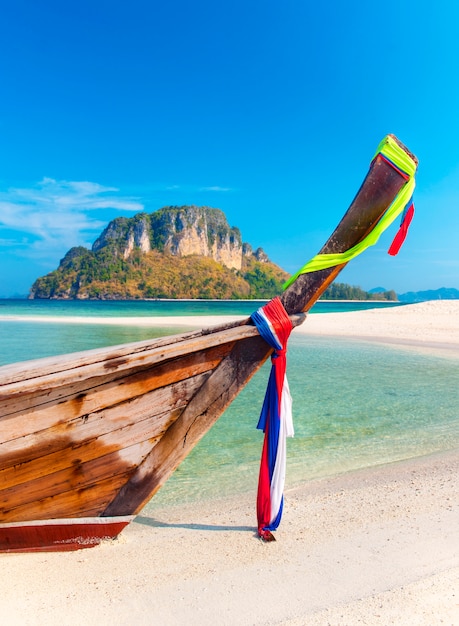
72	492
148	429
42	395
71	504
215	395
23	370
127	362
84	401
71	434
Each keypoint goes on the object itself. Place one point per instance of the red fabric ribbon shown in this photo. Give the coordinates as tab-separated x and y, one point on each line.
402	232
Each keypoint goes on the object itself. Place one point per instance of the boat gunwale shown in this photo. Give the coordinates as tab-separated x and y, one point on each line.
48	372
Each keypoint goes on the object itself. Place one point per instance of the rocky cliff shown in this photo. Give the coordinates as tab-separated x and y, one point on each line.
176	252
180	231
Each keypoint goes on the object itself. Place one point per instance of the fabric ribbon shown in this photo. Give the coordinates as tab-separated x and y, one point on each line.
403	231
393	154
275	326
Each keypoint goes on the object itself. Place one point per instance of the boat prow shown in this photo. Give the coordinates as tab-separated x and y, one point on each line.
87	439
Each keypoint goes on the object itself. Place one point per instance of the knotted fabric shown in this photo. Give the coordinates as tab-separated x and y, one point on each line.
275	326
396	157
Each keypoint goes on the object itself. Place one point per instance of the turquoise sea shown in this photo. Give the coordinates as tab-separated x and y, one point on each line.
356	404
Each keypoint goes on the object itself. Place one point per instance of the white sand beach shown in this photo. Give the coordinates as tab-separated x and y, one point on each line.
433	323
378	546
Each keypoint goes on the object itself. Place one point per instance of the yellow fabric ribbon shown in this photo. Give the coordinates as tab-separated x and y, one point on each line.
392	151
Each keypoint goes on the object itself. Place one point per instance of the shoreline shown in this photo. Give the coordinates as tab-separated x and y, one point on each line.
433	324
375	546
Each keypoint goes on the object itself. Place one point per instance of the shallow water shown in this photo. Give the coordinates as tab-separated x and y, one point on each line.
21	341
163	308
355	404
27	332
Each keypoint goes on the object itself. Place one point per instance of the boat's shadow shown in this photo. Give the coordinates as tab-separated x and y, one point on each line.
150	521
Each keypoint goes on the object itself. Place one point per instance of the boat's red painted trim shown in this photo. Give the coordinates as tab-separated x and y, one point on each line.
58	535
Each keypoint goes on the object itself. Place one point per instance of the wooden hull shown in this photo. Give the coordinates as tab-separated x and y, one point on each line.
95	434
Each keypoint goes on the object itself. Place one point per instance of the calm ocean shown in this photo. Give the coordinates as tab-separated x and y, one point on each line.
355	404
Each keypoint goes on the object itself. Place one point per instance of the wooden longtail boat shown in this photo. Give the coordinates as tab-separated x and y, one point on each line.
86	439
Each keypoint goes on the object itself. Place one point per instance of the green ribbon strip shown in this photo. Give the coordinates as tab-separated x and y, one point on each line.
391	150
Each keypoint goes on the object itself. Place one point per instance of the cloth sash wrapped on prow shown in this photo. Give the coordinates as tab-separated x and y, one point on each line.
275	326
393	154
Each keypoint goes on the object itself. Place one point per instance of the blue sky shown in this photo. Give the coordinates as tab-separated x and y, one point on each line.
270	111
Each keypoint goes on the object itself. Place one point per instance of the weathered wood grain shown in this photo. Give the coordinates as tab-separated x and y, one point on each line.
201	413
81	502
68	452
156	407
21	420
32	377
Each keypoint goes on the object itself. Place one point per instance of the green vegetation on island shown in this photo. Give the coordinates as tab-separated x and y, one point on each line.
341	291
84	274
176	252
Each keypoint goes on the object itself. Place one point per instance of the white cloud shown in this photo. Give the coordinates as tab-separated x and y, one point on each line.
216	188
55	215
10	243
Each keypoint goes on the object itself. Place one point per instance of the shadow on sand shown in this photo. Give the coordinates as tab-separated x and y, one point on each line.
149	521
